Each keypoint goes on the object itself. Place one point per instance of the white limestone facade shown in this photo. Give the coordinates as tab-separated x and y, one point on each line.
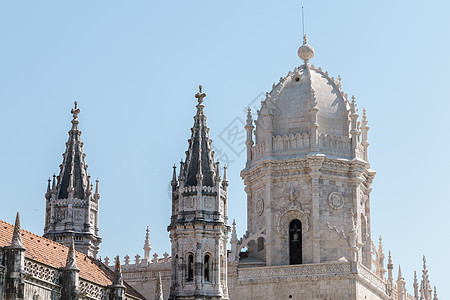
308	183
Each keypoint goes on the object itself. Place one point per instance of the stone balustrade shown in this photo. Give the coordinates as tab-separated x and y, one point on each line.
293	271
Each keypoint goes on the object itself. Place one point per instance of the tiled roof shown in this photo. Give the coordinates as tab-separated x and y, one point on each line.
53	254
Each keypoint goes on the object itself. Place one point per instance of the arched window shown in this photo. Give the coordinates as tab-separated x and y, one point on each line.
295	242
260	244
190	267
207	267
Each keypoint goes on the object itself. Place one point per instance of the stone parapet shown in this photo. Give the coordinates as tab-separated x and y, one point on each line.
293	271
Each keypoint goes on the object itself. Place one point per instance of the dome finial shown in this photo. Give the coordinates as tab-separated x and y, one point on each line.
305	52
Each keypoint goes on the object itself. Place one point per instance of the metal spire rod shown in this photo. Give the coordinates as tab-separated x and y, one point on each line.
303	22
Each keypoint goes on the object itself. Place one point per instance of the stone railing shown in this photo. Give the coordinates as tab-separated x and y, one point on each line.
367	274
335	145
291	271
258	151
41	272
91	291
286	142
141	262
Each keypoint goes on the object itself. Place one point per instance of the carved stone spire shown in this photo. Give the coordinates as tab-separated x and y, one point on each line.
147	246
74	216
174	181
16	241
390	268
425	286
401	285
435	297
249	130
416	287
199	159
71	263
159	289
225	181
118	279
73	173
48	194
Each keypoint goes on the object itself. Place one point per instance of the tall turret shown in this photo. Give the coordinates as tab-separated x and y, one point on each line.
307	173
199	223
71	203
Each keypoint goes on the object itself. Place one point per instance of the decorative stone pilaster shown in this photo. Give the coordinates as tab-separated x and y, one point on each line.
353	247
315	164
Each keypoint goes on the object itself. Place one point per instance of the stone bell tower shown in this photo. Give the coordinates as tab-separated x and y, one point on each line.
307	174
199	227
72	203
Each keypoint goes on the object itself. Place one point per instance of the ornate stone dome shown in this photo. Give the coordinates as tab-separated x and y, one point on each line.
307	112
291	100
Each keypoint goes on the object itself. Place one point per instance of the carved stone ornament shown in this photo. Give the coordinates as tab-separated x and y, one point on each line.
259	206
336	200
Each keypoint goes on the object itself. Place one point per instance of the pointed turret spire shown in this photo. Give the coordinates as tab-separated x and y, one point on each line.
435	294
381	258
71	260
364	129
118	280
400	276
73	174
199	165
174	181
234	241
54	182
401	285
96	194
159	289
425	287
225	181
16	241
147	245
72	185
48	194
217	171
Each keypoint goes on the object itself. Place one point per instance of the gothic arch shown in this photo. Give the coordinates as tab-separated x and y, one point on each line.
283	229
288	216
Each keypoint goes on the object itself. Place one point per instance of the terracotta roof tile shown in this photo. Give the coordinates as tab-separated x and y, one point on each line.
53	254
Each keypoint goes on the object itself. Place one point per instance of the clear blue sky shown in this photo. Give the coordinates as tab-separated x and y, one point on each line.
134	67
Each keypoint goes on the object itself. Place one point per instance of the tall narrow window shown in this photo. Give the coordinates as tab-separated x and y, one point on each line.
295	242
190	267
207	267
260	244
